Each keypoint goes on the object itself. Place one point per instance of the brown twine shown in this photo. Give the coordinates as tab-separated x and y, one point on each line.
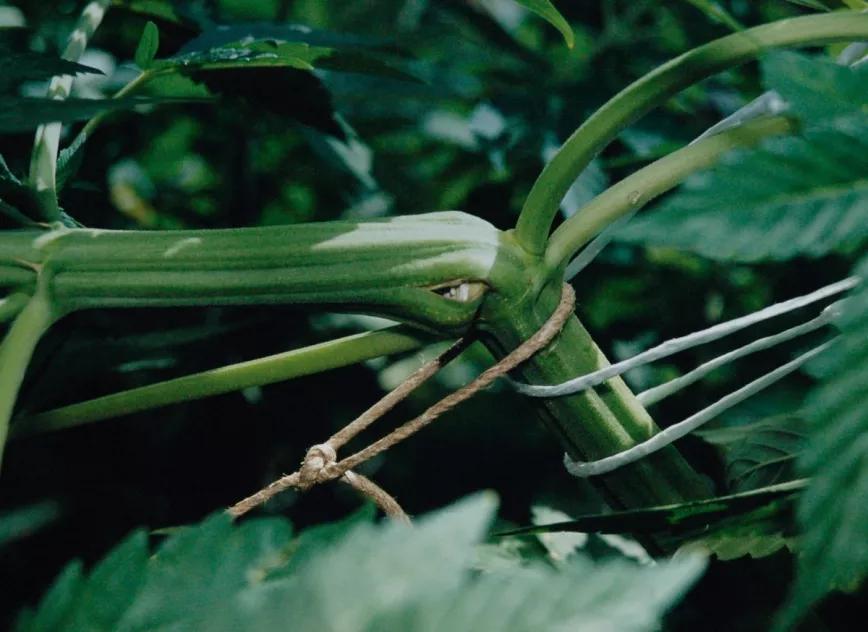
320	464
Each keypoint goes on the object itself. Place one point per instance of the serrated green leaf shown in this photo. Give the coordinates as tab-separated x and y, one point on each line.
833	512
311	541
201	569
737	543
58	602
399	566
353	576
758	533
505	555
762	453
278	53
18	67
110	588
69	160
816	88
261	72
805	195
612	595
559	546
547	11
417	580
148	45
255	54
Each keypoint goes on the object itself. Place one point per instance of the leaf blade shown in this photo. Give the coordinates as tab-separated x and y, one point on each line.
793	196
547	11
146	50
833	511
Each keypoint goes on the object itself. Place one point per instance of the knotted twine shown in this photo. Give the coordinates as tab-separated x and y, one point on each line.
321	464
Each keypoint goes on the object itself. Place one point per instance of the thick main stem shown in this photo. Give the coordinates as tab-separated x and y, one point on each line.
384	267
596	423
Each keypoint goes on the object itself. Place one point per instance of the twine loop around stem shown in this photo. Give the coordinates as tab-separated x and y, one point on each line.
321	464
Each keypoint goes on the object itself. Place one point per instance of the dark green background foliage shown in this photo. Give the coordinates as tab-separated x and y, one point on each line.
410	106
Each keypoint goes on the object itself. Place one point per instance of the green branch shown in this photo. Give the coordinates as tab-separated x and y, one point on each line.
639	188
12	305
129	89
653	89
15	352
387	267
234	377
43	164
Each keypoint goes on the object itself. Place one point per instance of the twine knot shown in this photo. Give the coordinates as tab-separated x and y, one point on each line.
320	464
315	466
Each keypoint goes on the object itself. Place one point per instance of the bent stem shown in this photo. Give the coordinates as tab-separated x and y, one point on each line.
234	377
15	352
639	188
653	89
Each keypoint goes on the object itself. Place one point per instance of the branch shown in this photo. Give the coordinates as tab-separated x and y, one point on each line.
677	345
639	188
662	391
15	352
234	377
43	164
654	89
585	469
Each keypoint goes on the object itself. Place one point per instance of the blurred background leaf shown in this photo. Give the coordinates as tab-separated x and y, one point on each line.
217	577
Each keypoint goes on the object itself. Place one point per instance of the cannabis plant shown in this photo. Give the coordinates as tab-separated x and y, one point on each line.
739	188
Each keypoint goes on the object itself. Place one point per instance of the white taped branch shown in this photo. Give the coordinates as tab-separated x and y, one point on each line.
675	345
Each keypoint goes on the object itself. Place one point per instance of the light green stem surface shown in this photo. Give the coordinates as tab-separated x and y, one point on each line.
385	267
12	305
15	352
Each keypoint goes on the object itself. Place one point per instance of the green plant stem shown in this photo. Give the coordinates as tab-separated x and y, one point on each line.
12	305
97	119
379	267
603	126
15	352
639	188
595	423
43	164
234	377
383	267
15	276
